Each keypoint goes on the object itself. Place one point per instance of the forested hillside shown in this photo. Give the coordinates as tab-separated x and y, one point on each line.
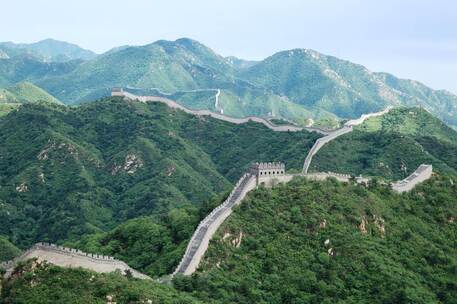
25	92
52	285
49	50
327	242
300	84
392	146
303	242
66	172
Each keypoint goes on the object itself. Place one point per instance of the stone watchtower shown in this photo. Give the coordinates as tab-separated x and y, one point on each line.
117	92
266	172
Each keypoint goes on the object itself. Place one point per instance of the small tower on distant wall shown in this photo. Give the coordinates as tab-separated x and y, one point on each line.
266	171
119	92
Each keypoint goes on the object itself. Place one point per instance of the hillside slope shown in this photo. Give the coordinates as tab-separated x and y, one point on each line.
48	50
24	92
299	84
346	89
29	68
326	242
52	284
66	172
7	250
392	146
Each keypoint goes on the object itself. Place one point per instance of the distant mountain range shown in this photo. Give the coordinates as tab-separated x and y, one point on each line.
25	92
298	84
46	50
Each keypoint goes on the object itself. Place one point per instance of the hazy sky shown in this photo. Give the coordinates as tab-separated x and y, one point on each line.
411	39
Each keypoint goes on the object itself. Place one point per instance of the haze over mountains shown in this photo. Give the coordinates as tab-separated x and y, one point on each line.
296	84
47	50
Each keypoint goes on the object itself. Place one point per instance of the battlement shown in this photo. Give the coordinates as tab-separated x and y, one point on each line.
73	251
265	172
268	169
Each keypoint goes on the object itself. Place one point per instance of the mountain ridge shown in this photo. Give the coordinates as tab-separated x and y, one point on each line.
49	50
313	85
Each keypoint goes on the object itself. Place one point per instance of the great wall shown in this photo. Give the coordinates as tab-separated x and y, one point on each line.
71	258
259	173
174	105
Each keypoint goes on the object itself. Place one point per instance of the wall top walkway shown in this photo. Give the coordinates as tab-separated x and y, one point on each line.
175	105
422	173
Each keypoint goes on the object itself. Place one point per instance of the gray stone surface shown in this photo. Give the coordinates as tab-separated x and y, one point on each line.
422	173
72	258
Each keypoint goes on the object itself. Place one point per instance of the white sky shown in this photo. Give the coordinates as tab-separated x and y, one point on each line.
414	39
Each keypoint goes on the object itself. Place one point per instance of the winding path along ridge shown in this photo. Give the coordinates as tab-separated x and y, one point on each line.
198	244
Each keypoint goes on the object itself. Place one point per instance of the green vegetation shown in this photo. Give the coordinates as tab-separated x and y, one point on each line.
392	146
153	245
321	82
328	242
47	50
297	84
310	242
42	283
66	172
6	108
410	121
7	250
25	92
28	68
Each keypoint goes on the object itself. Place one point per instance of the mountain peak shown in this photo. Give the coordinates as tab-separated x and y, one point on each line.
49	49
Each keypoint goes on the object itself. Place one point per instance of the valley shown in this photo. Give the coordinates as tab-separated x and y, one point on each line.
299	178
198	244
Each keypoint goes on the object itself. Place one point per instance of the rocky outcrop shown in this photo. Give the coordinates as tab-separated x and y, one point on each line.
131	164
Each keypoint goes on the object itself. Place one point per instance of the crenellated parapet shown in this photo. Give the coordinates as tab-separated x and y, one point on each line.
72	251
70	257
265	170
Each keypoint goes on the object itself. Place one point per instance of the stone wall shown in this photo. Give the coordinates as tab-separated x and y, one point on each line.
348	127
173	104
422	173
72	258
320	142
198	244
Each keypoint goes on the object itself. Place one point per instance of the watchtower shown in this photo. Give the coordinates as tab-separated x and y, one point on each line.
117	92
265	172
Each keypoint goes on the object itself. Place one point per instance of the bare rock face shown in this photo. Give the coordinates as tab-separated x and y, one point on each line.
69	149
110	299
379	223
363	225
22	188
233	240
237	240
131	164
170	170
323	224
